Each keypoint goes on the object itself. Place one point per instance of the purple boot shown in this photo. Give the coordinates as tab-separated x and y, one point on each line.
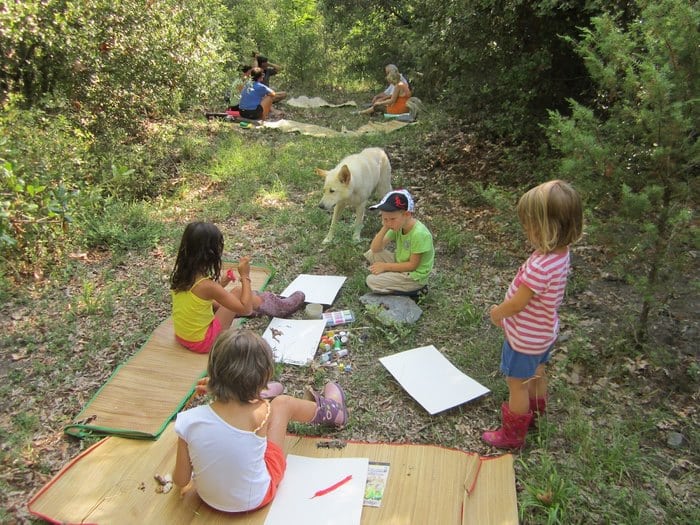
277	306
330	406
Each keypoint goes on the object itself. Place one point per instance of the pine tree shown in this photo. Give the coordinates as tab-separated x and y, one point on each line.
635	152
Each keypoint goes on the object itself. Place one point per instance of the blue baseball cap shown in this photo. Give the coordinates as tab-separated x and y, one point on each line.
396	200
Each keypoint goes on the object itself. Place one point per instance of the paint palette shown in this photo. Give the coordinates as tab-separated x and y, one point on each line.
339	317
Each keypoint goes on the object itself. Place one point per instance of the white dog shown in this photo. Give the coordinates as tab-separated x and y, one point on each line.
352	182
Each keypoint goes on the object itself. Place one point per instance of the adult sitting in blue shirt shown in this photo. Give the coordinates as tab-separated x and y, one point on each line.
256	97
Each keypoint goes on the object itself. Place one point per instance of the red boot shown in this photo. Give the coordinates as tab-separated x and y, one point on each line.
512	432
538	407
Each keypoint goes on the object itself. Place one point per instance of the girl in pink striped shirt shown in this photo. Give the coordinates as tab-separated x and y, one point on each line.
552	217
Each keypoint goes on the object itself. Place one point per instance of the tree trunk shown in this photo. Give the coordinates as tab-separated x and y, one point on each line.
657	259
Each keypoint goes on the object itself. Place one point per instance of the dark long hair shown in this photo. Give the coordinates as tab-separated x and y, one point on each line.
200	252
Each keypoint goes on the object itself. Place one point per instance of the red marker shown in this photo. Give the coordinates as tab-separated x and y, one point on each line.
325	491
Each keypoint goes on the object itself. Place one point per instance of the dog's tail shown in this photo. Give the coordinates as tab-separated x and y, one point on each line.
414	105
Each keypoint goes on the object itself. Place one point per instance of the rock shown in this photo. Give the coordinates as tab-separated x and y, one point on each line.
393	308
675	439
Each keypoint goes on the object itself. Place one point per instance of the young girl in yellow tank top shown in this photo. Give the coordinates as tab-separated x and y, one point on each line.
202	307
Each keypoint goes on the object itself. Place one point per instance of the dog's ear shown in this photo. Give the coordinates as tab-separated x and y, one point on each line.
321	173
344	175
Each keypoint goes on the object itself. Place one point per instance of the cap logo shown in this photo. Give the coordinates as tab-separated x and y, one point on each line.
395	200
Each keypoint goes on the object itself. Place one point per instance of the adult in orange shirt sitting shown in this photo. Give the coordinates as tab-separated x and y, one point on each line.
396	105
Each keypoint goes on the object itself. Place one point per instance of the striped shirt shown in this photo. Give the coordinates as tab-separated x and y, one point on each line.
535	327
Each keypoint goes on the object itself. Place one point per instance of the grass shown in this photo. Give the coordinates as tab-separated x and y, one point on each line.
599	456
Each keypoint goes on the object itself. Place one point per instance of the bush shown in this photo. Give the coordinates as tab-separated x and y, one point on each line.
60	186
45	163
118	62
635	151
120	227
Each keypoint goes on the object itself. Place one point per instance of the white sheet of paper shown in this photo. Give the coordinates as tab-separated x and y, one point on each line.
294	341
321	289
431	379
304	477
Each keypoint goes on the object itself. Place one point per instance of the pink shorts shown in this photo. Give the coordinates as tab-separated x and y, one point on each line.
276	464
204	346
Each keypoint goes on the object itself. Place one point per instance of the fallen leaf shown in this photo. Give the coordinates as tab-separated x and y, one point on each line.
545	497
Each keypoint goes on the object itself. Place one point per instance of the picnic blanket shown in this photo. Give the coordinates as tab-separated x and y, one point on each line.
291	126
112	482
144	393
315	102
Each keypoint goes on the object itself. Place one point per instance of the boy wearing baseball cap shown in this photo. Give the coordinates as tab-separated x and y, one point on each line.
407	270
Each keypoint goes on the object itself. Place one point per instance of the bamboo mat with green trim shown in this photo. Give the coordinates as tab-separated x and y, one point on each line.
144	393
112	482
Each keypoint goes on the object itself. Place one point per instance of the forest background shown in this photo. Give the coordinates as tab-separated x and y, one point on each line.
105	155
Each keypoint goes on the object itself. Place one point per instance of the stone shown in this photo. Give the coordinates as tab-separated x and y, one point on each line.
674	439
393	308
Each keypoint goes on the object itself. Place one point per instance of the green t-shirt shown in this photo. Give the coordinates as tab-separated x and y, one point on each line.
418	240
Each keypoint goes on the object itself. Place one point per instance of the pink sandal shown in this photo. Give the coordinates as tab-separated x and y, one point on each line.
273	390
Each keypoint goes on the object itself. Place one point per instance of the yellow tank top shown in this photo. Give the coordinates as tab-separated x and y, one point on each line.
191	314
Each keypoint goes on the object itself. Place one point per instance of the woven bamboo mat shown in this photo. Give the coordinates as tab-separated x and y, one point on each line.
112	482
145	392
292	126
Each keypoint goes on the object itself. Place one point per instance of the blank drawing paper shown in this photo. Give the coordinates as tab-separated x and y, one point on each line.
431	379
339	483
321	289
294	341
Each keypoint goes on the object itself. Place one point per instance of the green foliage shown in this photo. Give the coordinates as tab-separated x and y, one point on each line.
634	153
300	42
369	35
498	65
44	161
71	72
548	492
291	33
117	62
56	179
504	63
120	227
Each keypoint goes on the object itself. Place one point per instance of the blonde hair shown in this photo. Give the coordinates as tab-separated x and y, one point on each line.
552	215
240	365
394	77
